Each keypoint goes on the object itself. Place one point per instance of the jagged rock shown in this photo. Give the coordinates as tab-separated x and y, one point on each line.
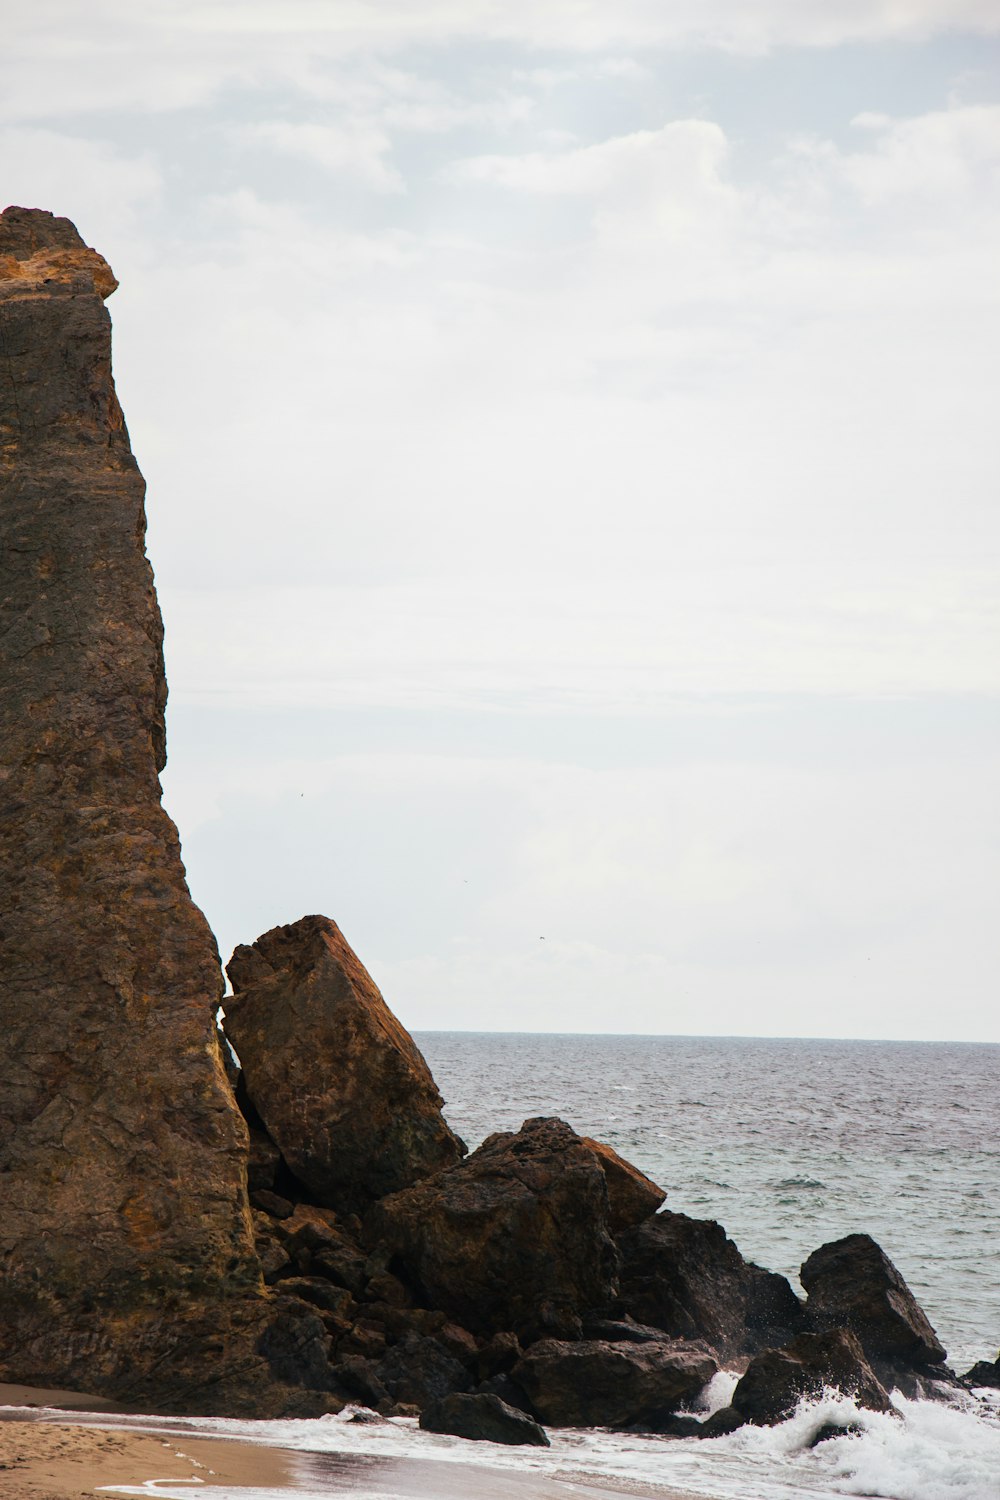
498	1356
613	1331
124	1217
632	1197
985	1373
775	1381
685	1276
263	1162
337	1081
419	1370
852	1283
594	1384
482	1418
357	1375
515	1238
510	1393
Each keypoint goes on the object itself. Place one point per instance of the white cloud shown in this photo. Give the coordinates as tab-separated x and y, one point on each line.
355	151
103	189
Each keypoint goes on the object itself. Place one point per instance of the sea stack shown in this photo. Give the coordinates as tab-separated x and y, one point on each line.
123	1212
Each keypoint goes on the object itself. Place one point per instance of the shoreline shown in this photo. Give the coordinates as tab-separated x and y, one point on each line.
47	1455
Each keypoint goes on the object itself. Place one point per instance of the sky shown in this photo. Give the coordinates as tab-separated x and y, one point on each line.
570	433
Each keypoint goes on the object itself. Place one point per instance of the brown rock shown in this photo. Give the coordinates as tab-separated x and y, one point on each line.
515	1238
483	1419
122	1158
853	1283
777	1380
683	1275
595	1384
632	1197
338	1082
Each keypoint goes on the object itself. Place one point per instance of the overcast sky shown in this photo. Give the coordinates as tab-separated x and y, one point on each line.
571	439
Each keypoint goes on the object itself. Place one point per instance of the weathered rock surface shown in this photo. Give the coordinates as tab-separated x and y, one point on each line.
337	1081
852	1283
515	1238
591	1383
483	1418
632	1197
124	1227
775	1381
683	1275
984	1373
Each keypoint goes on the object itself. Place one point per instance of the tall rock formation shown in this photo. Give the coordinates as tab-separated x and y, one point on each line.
123	1212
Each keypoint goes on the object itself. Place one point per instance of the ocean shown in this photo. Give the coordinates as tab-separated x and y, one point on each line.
789	1144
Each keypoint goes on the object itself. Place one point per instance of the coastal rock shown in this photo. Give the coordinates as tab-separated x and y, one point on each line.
685	1276
985	1373
419	1370
514	1239
776	1381
852	1283
484	1419
591	1384
632	1196
337	1081
125	1240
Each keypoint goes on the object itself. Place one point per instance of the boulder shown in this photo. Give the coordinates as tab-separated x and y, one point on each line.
985	1373
852	1283
776	1381
514	1239
632	1196
336	1080
686	1277
595	1384
125	1236
483	1418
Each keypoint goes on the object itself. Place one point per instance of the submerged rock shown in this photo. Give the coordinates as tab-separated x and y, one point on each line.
483	1418
852	1283
339	1084
590	1384
776	1381
686	1277
125	1239
515	1238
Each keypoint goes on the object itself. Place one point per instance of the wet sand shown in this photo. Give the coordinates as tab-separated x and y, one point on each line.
46	1458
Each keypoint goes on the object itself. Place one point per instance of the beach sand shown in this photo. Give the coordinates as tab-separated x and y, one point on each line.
46	1458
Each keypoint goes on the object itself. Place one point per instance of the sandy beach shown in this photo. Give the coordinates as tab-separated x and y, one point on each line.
43	1457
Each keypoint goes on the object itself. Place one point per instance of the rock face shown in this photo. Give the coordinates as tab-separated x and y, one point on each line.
337	1081
515	1238
852	1283
593	1383
775	1381
123	1212
684	1276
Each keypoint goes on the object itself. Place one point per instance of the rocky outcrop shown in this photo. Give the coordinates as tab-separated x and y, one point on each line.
852	1283
632	1197
336	1080
683	1275
777	1380
592	1383
986	1373
514	1239
483	1419
125	1238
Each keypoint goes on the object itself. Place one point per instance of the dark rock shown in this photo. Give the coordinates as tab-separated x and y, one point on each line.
483	1419
128	1262
322	1294
632	1197
498	1356
359	1377
340	1263
296	1345
338	1082
262	1162
985	1373
592	1384
365	1339
834	1430
508	1390
515	1238
721	1423
275	1261
419	1370
384	1287
612	1331
852	1283
683	1275
776	1381
272	1203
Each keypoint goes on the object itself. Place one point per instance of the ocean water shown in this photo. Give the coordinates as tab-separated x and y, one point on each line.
788	1144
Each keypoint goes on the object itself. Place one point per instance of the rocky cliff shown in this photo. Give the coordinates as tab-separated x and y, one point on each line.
122	1157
